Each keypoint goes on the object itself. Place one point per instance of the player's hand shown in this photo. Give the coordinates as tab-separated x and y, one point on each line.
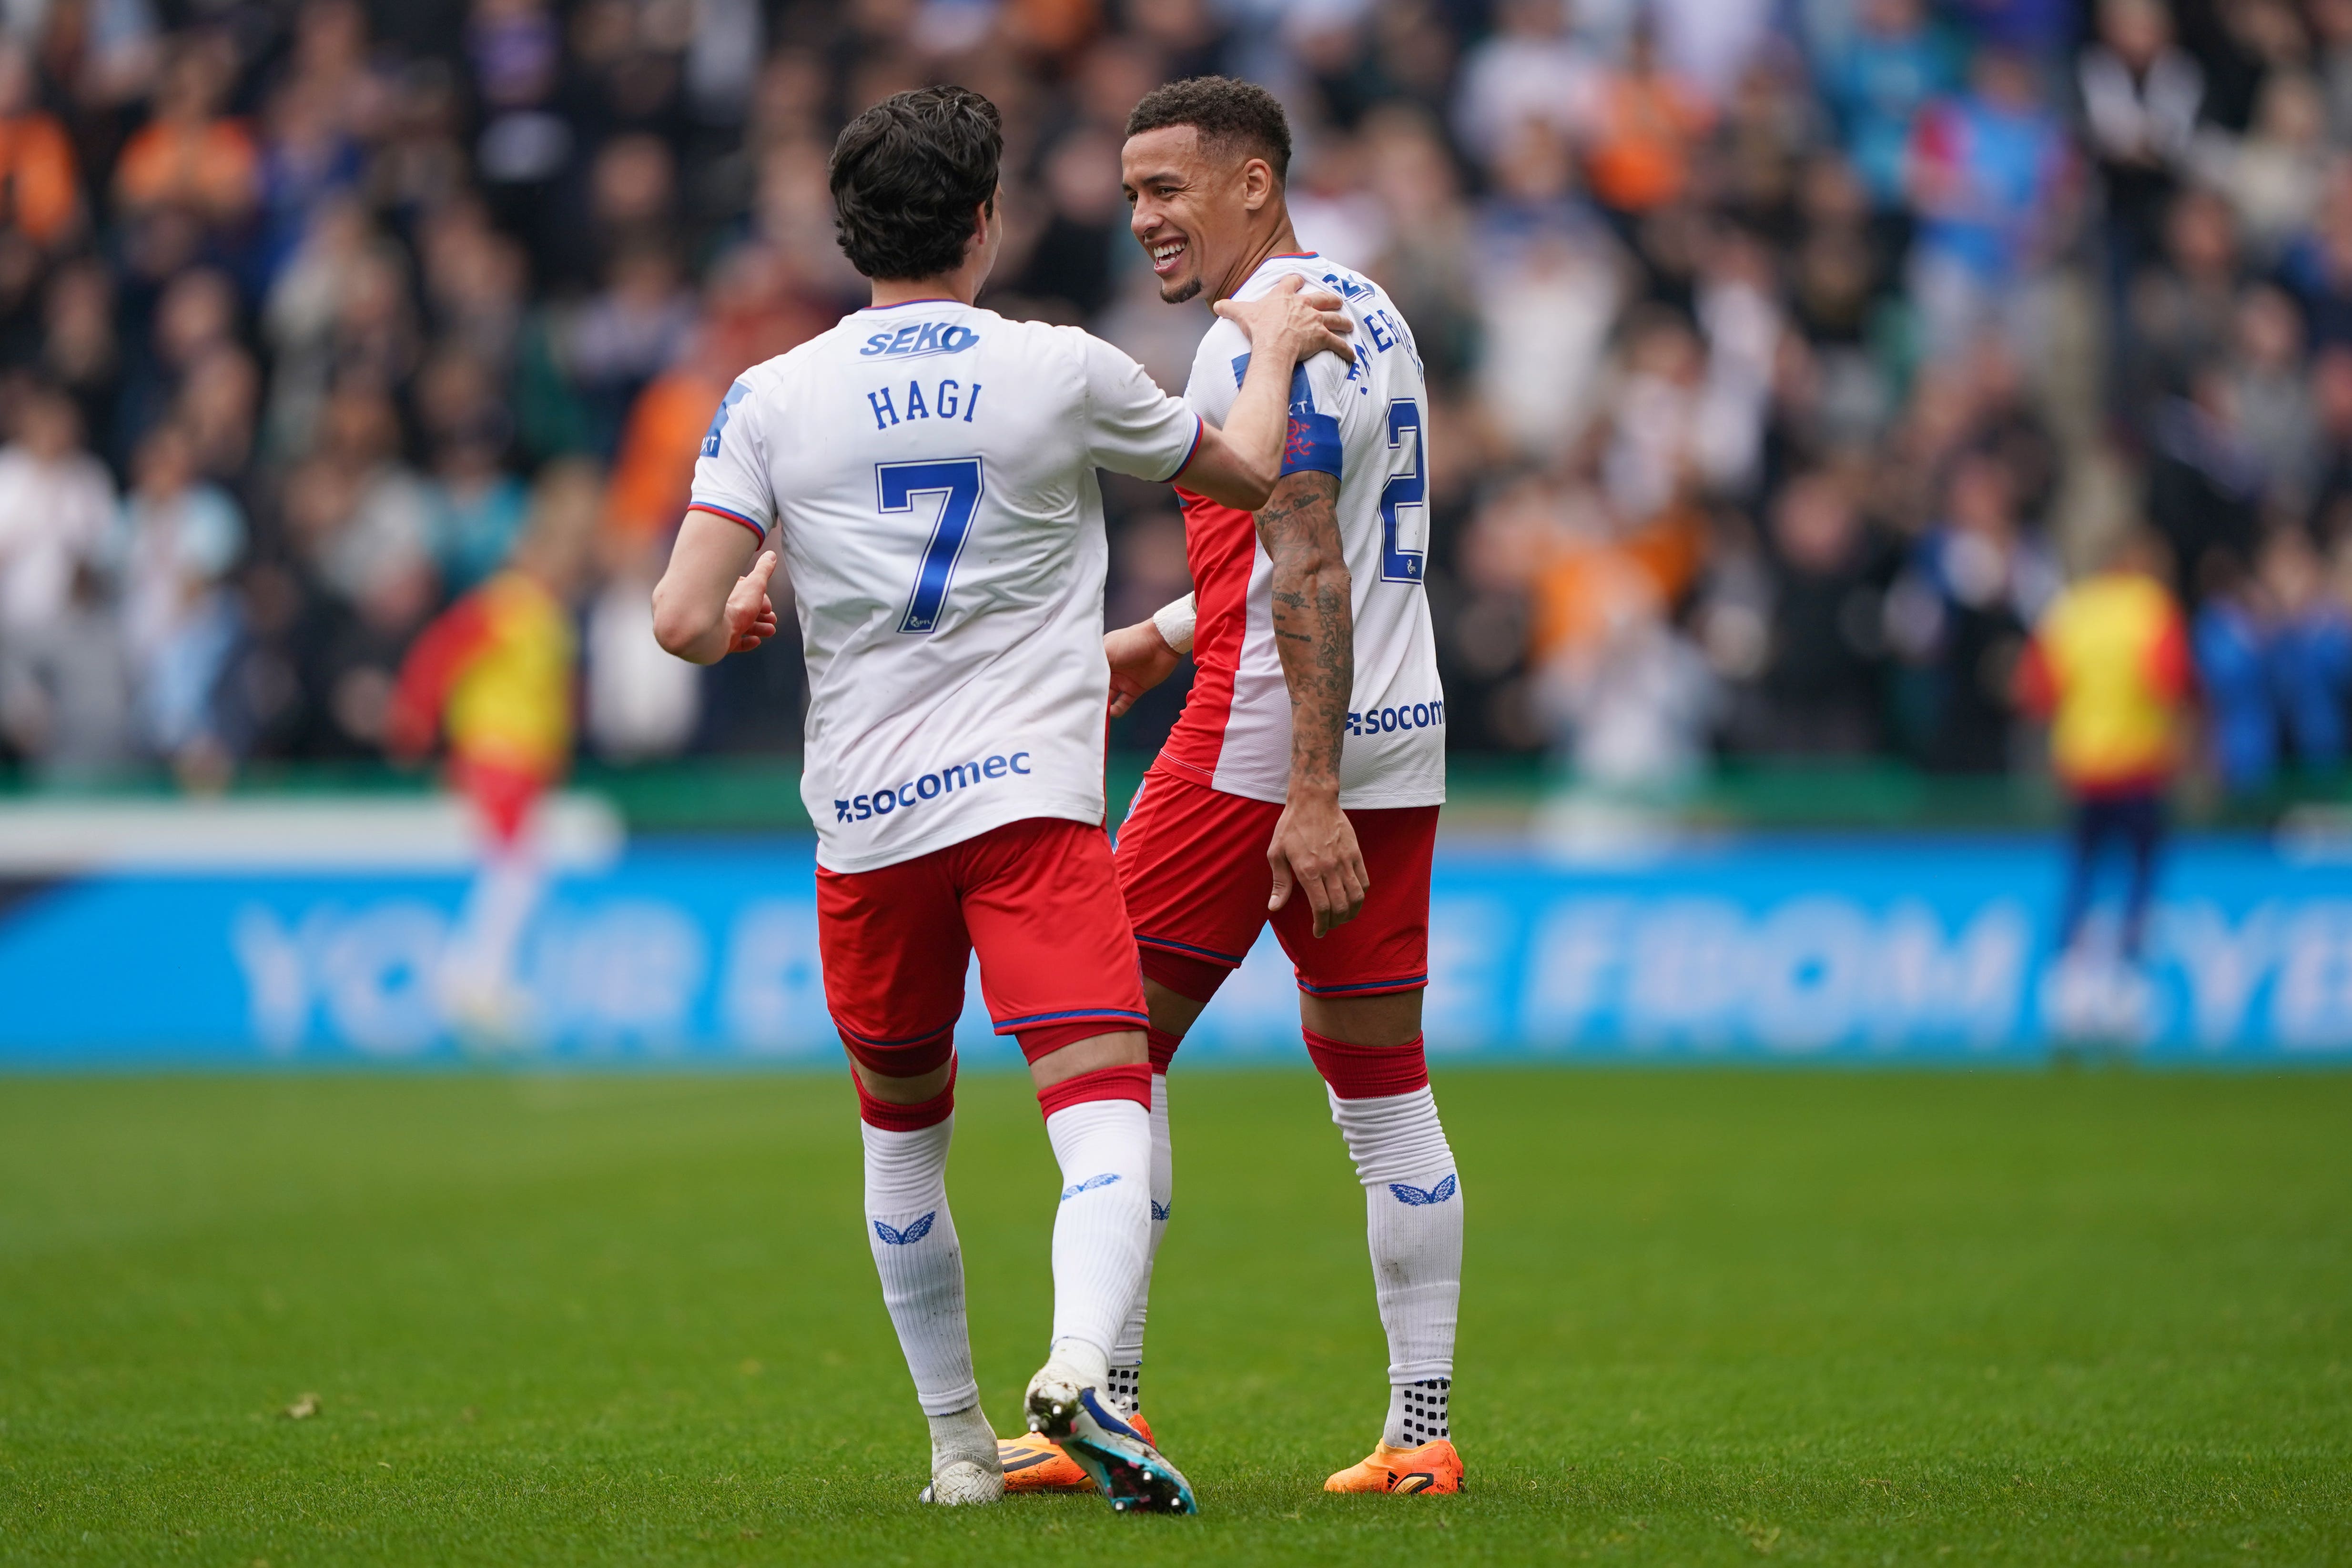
1314	849
1139	658
750	617
1306	321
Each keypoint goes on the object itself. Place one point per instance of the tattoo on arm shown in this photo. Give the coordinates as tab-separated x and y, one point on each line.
1314	618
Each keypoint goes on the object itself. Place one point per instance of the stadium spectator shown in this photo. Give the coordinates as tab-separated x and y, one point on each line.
57	510
1958	616
2141	93
2310	650
1532	68
1891	67
64	687
2231	634
40	182
1991	174
2183	306
191	156
2205	481
1642	137
2275	174
2272	388
1826	640
178	536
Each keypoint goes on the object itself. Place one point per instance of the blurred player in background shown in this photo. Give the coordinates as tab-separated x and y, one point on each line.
2108	666
494	674
926	471
1316	690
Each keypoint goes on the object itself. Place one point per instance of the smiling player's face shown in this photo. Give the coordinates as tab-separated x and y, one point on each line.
1191	211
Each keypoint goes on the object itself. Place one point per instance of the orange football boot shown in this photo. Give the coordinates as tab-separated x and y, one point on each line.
1433	1467
1033	1463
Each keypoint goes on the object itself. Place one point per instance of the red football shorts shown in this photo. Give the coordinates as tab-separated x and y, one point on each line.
1039	901
502	794
1191	862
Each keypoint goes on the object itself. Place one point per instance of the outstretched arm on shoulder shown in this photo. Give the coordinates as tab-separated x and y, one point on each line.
1288	325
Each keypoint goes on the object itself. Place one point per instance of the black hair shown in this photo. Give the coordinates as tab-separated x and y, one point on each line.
1233	116
905	175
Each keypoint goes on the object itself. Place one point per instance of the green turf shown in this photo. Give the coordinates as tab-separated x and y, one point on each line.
2094	1318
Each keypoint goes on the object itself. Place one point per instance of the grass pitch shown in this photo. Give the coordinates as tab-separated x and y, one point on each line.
1710	1317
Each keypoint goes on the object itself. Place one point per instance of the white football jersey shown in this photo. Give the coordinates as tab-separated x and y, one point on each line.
1363	423
926	471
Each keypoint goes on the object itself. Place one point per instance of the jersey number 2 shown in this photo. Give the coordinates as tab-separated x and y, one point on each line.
1404	540
956	482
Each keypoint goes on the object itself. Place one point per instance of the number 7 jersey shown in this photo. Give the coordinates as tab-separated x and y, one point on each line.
926	471
1363	423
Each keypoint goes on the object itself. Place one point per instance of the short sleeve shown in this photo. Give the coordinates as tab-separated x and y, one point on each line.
730	477
1133	427
1311	444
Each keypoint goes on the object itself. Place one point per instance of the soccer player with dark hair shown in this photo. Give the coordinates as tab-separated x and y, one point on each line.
925	474
1302	783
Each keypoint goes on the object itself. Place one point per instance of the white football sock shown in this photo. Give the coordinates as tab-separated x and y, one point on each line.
1127	1356
1102	1231
963	1436
913	1239
1412	1205
1417	1413
481	962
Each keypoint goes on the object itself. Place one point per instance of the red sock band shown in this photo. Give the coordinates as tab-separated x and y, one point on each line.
1162	1046
912	1118
1368	1072
1132	1081
901	1059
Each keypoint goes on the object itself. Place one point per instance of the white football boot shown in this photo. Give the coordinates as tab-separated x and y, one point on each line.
964	1467
1066	1404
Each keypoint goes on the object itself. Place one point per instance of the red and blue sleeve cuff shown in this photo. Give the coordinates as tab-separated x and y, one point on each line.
1200	429
759	530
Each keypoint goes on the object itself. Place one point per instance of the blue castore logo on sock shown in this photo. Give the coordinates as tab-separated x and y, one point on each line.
1412	1196
1160	1210
909	1237
1089	1185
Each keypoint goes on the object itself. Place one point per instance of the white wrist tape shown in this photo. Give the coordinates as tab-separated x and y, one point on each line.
1175	623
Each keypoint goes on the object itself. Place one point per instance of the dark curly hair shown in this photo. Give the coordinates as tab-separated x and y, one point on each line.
1235	117
905	176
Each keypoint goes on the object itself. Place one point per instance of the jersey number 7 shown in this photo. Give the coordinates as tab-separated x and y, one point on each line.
1404	540
956	481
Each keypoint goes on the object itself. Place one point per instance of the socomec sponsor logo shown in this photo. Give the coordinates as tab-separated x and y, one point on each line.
1404	715
908	796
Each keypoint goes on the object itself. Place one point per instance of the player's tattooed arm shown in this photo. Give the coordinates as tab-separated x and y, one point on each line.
1314	846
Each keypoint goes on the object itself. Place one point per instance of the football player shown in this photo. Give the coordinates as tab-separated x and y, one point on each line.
1302	782
924	474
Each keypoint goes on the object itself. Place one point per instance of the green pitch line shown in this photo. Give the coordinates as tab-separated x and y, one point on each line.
1710	1317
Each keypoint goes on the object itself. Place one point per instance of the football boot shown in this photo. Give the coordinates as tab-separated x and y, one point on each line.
1433	1467
1125	1468
1032	1463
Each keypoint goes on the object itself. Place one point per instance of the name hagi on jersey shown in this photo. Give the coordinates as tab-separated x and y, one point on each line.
926	471
1363	423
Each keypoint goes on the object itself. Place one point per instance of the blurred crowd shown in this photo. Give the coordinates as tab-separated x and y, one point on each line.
1788	356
